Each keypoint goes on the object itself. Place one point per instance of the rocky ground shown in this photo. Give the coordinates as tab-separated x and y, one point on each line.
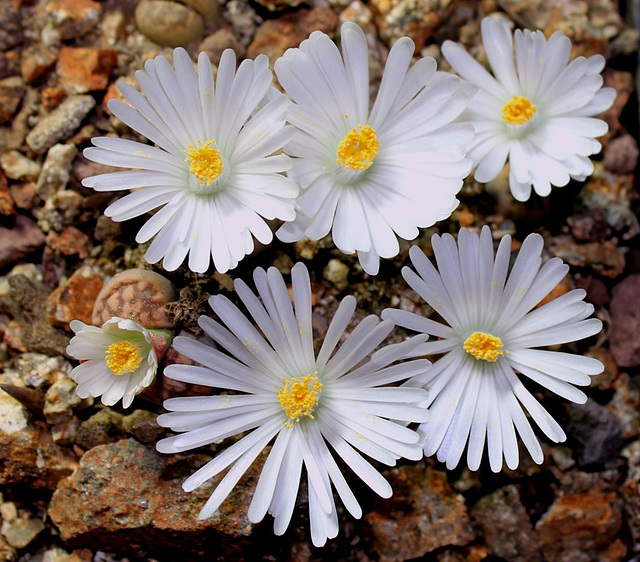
80	482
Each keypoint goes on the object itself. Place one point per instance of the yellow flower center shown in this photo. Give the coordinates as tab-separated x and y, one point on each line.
122	357
484	346
204	161
298	397
357	150
518	110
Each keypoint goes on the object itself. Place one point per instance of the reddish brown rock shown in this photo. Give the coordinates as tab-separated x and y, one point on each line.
35	61
423	514
604	257
29	455
75	299
582	528
6	202
11	91
73	18
623	83
625	322
274	37
621	155
85	69
18	242
503	522
70	242
126	497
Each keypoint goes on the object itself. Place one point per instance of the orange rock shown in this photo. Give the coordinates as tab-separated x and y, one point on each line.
586	523
75	299
85	69
70	242
73	18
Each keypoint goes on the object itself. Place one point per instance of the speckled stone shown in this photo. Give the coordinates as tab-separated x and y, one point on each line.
21	532
60	123
582	528
126	496
423	514
55	170
73	18
29	456
505	526
75	299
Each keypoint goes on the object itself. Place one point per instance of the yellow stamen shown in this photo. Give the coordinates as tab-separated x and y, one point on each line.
357	150
204	161
122	357
518	110
484	346
298	397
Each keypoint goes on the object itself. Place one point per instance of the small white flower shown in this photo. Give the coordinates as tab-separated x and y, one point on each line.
371	176
212	171
475	394
309	407
118	360
536	111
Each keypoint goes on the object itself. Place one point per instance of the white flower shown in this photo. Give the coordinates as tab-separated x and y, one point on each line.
118	360
475	393
370	176
211	171
310	407
536	110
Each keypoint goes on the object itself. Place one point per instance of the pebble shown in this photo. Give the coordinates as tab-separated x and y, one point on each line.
596	431
11	92
18	242
21	532
56	170
60	400
621	155
274	37
417	19
142	425
73	18
169	23
582	528
7	66
588	21
625	405
505	526
70	242
605	258
8	511
101	428
29	455
127	491
337	273
11	32
242	18
60	210
85	69
217	42
625	322
18	167
75	298
36	60
60	123
208	9
423	514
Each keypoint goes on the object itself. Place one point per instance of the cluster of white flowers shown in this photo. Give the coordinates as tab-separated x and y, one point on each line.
233	151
